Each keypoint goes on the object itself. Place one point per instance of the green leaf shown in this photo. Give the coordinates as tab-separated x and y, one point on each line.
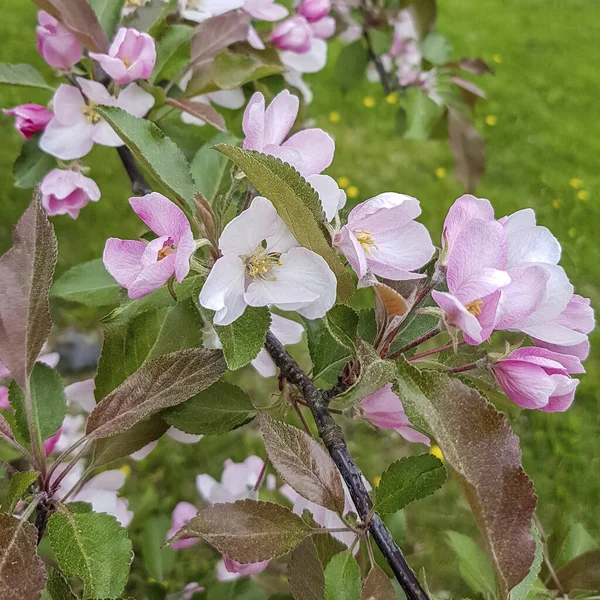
23	75
89	284
342	578
374	374
22	573
306	576
247	530
328	356
238	589
167	46
381	40
157	153
342	323
581	573
480	447
211	170
436	49
577	541
117	447
161	383
218	409
244	338
378	586
473	564
17	487
303	463
92	547
520	591
151	334
422	114
26	272
158	560
229	71
48	403
57	586
31	165
108	13
149	16
351	65
408	479
297	204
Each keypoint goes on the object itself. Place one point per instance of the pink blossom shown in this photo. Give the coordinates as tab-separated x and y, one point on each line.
181	515
30	119
131	56
578	317
56	44
331	196
383	237
4	403
67	191
50	443
265	10
293	34
324	28
310	151
228	569
384	409
201	10
262	264
314	10
143	267
538	378
77	125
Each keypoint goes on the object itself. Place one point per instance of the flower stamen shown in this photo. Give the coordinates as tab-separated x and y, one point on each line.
261	263
166	251
91	114
365	239
475	307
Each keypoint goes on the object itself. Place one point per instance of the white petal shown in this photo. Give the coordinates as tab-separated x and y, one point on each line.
67	142
522	219
286	330
182	437
330	194
96	92
312	61
232	99
105	135
135	100
264	364
531	245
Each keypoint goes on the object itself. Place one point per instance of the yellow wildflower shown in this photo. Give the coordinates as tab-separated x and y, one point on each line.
575	182
583	195
491	120
556	203
440	173
352	192
392	98
334	116
343	182
497	59
572	232
126	469
369	101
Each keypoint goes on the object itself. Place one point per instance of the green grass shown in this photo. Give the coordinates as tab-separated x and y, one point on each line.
544	98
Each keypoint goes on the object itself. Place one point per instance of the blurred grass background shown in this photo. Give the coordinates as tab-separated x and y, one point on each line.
541	125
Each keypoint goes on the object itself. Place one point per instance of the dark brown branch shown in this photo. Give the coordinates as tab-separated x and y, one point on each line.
334	441
139	185
383	76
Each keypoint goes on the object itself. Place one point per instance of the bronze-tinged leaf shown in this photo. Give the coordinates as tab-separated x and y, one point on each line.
306	573
22	573
468	149
391	301
215	34
26	273
79	18
161	383
481	448
581	573
303	463
247	530
201	111
5	430
378	586
476	66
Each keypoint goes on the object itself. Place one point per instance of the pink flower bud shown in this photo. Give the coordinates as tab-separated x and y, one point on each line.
314	10
181	515
323	28
56	44
293	34
51	442
131	56
4	403
30	119
65	191
244	569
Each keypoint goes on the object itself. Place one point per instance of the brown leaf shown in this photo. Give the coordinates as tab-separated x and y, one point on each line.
79	18
5	430
247	530
469	90
305	573
22	573
214	35
161	383
476	66
480	446
26	272
201	111
377	586
303	463
581	573
468	149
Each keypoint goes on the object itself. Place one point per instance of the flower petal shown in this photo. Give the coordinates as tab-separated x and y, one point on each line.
68	105
384	211
457	316
331	196
346	241
253	123
67	142
231	99
316	148
464	209
527	385
135	100
532	245
264	364
280	116
152	277
105	135
123	259
286	330
312	61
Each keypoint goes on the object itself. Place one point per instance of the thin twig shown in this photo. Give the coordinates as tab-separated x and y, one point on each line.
301	416
261	475
464	368
333	439
433	351
383	76
420	340
547	560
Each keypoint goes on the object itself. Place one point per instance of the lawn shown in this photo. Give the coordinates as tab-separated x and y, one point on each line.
542	144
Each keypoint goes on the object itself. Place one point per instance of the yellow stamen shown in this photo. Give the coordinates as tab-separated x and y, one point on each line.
475	307
366	241
126	61
166	251
91	114
261	263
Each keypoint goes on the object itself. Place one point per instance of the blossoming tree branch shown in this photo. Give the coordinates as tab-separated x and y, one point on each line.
248	249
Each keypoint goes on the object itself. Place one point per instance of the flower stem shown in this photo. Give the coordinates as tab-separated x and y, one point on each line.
469	367
420	340
261	475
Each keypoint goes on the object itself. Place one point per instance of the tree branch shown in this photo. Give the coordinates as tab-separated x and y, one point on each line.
139	185
334	441
383	76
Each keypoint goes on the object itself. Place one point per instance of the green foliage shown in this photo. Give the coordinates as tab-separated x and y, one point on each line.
436	49
381	39
473	564
167	47
158	560
48	403
581	573
17	487
108	13
89	284
218	409
297	204
229	70
92	547
577	541
23	75
408	479
31	165
422	114
306	572
157	153
342	578
351	65
521	591
57	586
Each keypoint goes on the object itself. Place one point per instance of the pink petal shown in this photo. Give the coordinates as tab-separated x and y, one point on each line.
346	241
312	61
67	142
152	278
253	123
464	209
385	211
528	386
457	316
323	28
135	100
123	259
265	10
279	117
316	148
162	216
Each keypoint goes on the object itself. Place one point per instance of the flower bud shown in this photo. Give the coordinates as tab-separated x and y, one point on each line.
66	191
313	10
56	44
30	119
293	34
